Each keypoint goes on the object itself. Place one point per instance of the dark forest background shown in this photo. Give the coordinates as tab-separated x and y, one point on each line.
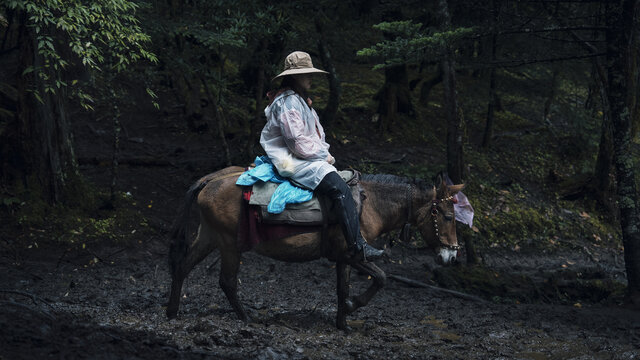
533	104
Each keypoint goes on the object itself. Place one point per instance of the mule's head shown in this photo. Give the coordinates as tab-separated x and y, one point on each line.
437	221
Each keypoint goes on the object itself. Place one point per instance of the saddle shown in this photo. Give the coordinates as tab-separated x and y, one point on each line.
257	225
310	213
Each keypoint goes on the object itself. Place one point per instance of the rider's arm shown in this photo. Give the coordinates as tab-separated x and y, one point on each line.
301	144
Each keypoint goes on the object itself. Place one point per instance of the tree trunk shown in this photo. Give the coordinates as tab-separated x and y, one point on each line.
452	111
603	185
425	90
454	121
220	120
551	95
394	97
621	71
45	147
491	108
258	113
335	90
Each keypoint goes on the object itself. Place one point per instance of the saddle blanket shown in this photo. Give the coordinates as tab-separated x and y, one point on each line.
252	230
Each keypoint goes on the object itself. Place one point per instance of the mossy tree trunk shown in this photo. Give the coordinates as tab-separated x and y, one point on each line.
622	70
44	152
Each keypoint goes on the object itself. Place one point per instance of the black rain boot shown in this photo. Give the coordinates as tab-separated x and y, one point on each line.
361	250
343	205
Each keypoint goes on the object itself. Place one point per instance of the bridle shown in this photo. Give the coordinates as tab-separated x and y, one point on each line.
434	215
404	235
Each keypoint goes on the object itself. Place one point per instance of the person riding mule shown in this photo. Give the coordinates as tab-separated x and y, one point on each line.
390	203
294	141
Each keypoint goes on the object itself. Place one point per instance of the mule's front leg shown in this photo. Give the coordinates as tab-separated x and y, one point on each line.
379	281
229	281
343	272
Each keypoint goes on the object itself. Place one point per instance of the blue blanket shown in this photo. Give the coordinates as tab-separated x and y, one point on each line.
286	193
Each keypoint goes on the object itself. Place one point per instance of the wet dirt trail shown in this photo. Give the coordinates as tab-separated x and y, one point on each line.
115	309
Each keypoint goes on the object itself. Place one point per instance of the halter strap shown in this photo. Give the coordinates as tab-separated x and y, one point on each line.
434	215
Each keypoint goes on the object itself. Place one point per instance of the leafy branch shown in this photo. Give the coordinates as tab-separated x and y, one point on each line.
411	44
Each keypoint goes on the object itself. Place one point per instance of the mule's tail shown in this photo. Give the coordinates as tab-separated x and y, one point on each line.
180	231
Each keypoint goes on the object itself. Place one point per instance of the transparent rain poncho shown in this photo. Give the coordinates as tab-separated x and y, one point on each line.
294	140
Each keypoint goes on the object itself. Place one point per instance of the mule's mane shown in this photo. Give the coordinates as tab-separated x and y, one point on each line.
386	179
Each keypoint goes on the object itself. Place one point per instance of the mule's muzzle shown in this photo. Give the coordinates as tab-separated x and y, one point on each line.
446	256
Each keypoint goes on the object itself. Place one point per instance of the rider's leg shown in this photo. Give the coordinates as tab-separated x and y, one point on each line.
338	191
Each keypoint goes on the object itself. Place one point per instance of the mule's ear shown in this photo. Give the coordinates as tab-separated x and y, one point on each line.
453	189
439	181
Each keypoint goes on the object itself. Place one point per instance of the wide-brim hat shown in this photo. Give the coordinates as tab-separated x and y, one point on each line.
298	62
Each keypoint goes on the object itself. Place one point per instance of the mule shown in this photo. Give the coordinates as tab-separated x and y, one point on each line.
388	202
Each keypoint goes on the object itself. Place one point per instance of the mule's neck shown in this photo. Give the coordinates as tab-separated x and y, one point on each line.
393	205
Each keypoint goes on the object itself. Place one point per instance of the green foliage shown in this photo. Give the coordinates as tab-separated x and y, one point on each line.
75	224
98	33
410	44
515	217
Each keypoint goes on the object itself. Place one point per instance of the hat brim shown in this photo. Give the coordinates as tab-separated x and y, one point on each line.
299	71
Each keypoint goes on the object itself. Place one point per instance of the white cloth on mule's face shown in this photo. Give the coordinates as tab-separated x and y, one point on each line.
462	207
294	140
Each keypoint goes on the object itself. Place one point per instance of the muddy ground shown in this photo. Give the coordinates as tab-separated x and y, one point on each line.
107	301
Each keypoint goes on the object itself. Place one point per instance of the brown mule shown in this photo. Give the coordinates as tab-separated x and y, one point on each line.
389	203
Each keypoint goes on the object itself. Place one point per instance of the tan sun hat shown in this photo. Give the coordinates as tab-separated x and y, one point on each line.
298	62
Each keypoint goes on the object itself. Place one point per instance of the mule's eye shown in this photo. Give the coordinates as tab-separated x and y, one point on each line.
448	216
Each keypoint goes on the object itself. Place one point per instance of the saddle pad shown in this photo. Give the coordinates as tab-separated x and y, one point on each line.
306	213
252	230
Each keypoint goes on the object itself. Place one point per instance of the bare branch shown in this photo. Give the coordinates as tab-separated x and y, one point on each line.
522	62
420	284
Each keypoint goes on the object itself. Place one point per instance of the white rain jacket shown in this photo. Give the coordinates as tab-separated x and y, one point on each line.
294	140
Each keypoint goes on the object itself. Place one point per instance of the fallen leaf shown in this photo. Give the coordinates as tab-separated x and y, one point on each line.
447	336
355	323
431	320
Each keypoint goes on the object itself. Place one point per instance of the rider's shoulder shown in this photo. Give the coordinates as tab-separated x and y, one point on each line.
290	99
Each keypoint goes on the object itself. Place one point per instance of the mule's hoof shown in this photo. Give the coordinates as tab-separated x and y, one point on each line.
349	306
172	314
342	325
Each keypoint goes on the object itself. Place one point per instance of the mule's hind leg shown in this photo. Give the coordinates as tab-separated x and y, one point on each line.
379	280
343	272
183	261
229	280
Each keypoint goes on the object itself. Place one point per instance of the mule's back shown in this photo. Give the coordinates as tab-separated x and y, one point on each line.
220	200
